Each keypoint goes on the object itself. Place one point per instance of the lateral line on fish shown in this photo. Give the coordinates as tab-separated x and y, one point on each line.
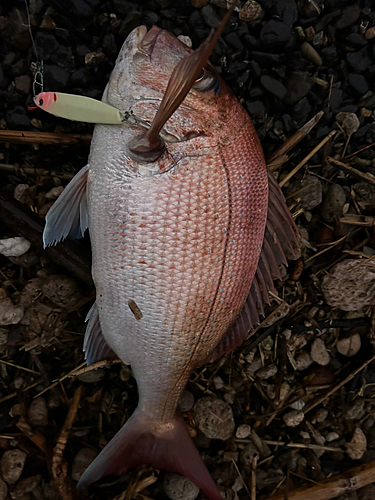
205	327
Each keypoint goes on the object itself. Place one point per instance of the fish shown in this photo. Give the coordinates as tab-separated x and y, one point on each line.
187	231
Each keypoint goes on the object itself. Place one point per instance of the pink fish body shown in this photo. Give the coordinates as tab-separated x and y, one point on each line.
176	244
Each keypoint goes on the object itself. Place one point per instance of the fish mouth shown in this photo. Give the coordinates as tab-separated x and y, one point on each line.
148	40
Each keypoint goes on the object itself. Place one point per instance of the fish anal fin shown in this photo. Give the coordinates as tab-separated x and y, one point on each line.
166	446
280	235
94	345
68	216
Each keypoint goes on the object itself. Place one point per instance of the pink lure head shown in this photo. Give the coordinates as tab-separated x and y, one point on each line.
45	100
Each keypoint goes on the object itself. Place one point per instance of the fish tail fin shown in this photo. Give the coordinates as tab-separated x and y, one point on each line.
166	446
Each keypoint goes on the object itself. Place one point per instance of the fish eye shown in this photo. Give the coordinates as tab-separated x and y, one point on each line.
40	102
206	81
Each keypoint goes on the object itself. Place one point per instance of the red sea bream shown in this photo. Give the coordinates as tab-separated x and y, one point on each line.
184	247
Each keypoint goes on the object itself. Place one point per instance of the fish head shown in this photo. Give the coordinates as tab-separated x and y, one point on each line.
141	75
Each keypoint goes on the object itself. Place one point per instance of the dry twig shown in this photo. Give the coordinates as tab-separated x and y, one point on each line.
307	158
351	170
294	139
21	137
335	486
59	465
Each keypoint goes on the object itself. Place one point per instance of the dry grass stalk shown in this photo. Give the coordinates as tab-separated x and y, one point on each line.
307	158
21	137
59	464
335	486
294	140
35	171
351	170
338	386
19	367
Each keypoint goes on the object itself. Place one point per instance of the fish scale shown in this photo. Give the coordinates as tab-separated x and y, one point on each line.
179	264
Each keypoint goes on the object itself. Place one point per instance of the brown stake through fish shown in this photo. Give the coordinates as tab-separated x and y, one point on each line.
150	146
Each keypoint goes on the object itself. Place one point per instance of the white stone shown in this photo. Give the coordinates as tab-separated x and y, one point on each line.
9	313
319	352
357	446
349	346
179	488
293	418
14	247
332	436
243	431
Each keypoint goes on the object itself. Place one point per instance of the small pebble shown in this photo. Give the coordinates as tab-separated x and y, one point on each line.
25	486
61	290
94	59
186	402
179	488
54	193
243	431
14	247
22	84
10	314
349	16
333	203
319	352
332	436
366	493
303	361
293	418
250	11
312	192
92	377
248	453
349	285
360	60
370	33
359	83
273	86
12	464
214	418
81	461
349	122
321	415
355	411
267	372
198	4
210	16
38	412
310	53
298	85
298	405
186	40
275	33
357	446
3	490
349	346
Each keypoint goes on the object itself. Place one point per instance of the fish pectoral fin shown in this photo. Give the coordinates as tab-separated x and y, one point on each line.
94	344
166	446
68	216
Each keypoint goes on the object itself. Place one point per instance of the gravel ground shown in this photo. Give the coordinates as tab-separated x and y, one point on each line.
285	60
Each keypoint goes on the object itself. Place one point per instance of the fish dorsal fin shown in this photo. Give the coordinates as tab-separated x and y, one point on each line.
68	216
94	345
279	235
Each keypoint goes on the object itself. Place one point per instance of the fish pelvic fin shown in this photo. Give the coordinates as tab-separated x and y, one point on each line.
166	446
68	216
